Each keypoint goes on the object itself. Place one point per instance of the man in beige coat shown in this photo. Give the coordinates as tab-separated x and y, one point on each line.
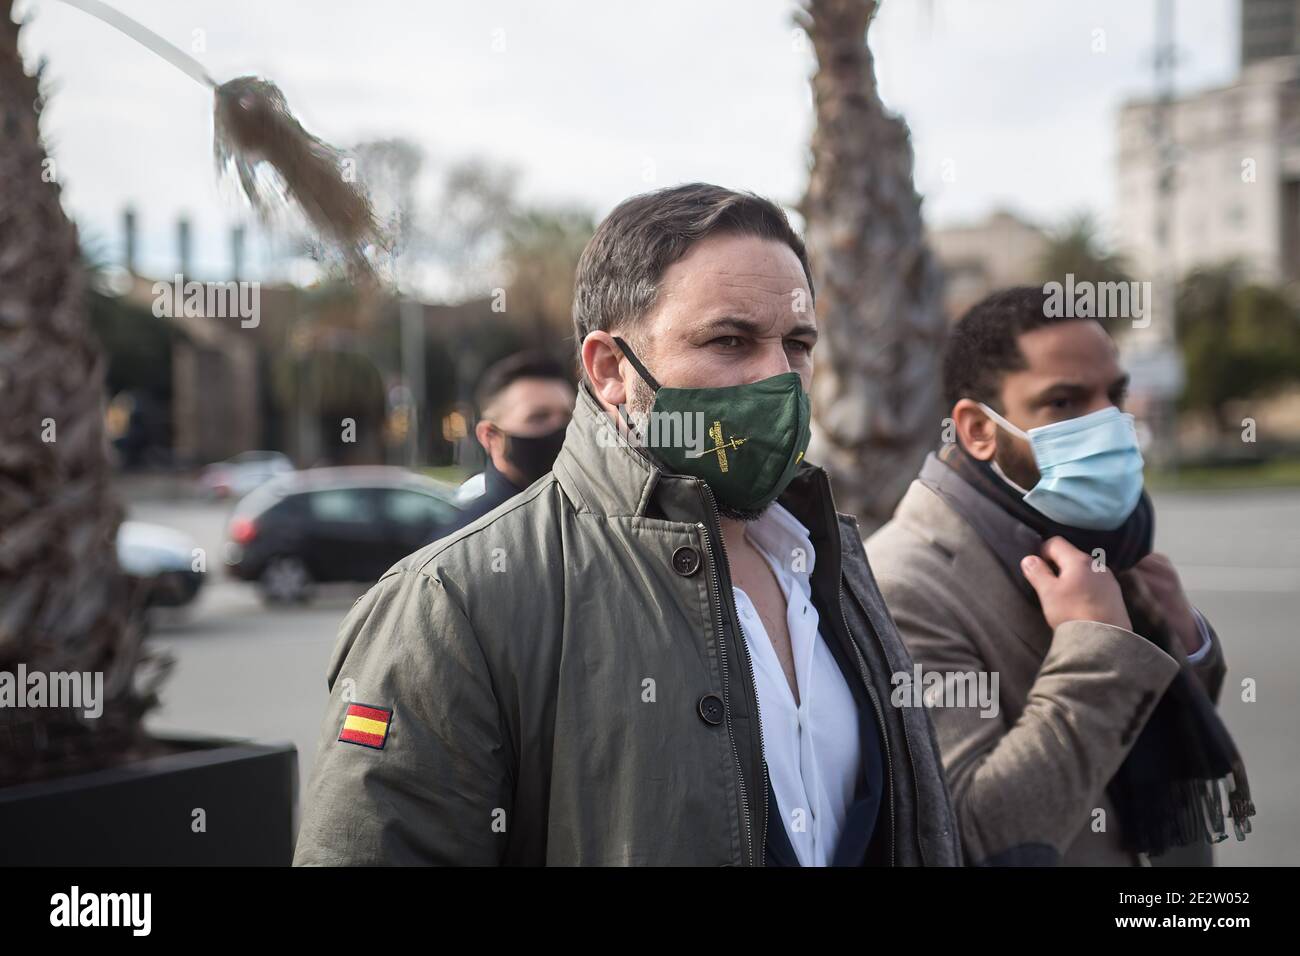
1017	563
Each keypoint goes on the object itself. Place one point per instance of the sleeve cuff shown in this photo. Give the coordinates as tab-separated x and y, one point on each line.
1207	642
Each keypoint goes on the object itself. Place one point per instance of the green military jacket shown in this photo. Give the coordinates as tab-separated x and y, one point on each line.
563	682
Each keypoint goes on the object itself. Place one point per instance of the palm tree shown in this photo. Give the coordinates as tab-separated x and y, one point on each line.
64	603
1077	249
877	406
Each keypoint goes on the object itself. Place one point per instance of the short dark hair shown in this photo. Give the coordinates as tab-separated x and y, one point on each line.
618	275
502	374
984	344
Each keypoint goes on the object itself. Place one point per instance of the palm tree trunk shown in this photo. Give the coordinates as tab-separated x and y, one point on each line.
877	393
64	603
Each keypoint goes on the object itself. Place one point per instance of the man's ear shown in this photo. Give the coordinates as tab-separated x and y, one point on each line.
602	360
975	430
483	431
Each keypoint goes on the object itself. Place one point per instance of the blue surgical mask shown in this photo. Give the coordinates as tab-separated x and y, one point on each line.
1090	468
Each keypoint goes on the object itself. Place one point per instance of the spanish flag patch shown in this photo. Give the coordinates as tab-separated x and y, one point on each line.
366	725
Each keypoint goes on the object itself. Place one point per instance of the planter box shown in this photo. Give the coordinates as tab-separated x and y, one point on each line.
142	813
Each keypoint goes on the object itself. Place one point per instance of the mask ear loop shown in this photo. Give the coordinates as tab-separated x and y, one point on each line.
645	375
1015	431
636	364
1004	423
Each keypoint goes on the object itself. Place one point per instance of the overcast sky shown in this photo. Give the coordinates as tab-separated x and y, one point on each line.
594	101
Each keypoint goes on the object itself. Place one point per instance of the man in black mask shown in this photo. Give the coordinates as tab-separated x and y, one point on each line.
525	402
1021	558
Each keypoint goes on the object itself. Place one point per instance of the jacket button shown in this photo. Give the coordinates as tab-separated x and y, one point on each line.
686	561
711	709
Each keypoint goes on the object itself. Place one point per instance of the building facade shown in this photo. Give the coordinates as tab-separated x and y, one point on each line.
1235	183
979	257
1269	28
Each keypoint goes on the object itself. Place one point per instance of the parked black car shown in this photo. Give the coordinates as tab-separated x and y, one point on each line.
333	524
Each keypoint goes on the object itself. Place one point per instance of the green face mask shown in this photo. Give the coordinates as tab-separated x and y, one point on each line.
744	440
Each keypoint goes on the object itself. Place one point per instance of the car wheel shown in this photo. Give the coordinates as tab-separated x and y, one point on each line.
285	580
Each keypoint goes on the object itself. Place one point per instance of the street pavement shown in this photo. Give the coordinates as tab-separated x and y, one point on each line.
245	670
1238	554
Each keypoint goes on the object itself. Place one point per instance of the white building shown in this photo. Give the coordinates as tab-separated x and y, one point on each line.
1236	183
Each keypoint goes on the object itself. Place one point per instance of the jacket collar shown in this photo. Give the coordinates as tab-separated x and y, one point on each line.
604	475
496	484
1001	533
985	558
600	472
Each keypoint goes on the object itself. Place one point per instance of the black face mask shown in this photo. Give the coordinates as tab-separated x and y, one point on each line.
534	455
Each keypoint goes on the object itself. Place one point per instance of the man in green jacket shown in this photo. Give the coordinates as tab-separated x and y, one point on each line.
670	650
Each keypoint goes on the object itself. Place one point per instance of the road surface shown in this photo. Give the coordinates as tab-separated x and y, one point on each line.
245	670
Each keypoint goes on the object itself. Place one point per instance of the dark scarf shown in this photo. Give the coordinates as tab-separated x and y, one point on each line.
1169	790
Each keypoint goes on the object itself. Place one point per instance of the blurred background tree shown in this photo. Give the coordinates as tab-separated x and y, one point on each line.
64	603
1076	248
460	234
478	274
541	252
1239	341
876	393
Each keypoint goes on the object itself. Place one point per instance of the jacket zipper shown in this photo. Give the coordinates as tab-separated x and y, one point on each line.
833	525
880	720
907	740
726	700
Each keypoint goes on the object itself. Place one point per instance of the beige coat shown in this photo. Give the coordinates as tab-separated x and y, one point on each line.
1027	782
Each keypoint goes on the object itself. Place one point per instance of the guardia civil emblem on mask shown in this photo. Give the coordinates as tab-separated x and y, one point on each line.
757	434
720	447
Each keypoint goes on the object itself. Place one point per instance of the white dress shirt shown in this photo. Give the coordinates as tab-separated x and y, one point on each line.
813	749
